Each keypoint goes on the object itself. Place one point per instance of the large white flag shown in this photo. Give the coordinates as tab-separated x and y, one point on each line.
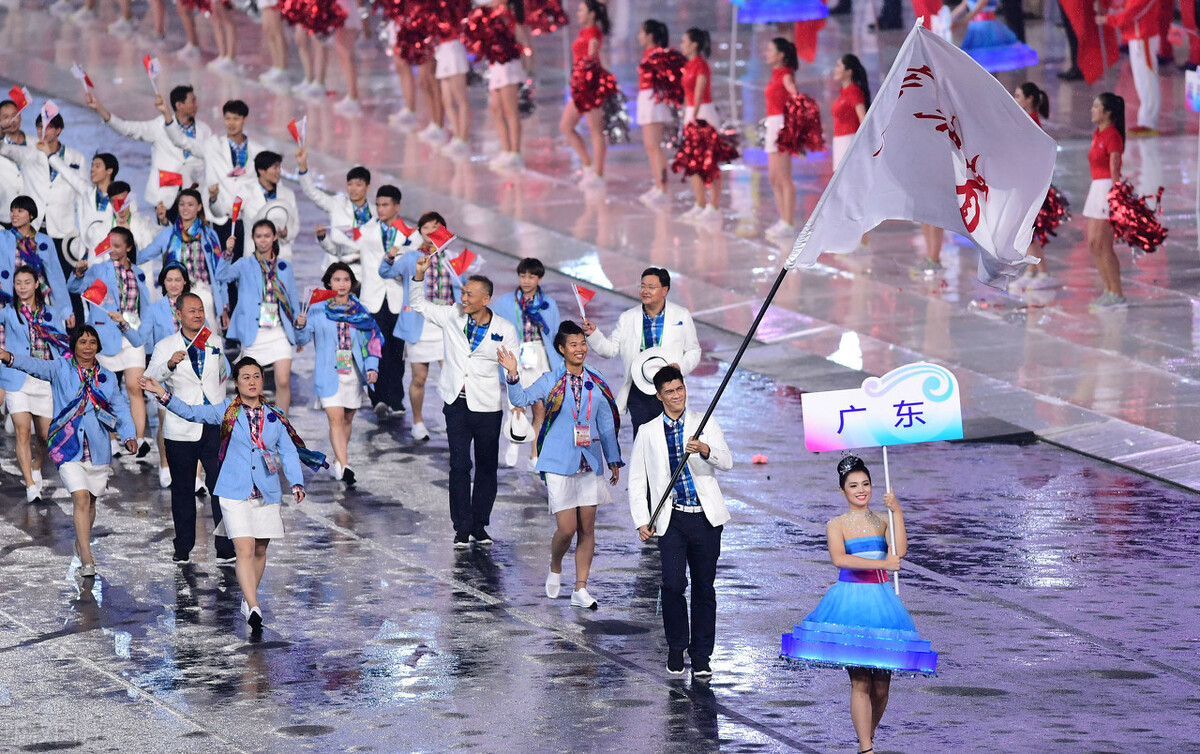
944	143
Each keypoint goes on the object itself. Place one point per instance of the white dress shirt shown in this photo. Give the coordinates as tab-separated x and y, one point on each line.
650	470
184	383
55	198
678	341
478	371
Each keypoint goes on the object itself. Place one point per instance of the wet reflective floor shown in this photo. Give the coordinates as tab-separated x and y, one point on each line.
1057	589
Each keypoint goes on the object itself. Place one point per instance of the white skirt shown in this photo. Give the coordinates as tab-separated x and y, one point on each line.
501	75
649	111
80	475
708	114
129	357
35	397
270	345
539	363
451	59
250	518
576	491
840	145
429	348
1096	206
774	124
349	393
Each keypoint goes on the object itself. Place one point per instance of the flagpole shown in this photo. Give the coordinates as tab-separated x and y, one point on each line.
887	482
733	365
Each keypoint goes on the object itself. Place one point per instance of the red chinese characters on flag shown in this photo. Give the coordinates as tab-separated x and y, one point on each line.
971	192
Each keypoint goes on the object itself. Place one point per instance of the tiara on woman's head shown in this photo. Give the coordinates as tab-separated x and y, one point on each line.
848	464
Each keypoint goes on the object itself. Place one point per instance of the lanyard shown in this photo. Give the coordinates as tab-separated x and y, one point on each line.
257	438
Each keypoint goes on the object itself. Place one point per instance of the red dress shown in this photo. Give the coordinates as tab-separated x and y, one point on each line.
1105	142
579	48
776	93
591	85
845	110
692	70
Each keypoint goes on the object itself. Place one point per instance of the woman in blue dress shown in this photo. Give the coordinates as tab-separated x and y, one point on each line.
988	41
860	623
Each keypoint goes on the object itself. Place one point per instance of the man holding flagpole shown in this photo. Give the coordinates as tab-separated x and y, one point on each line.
191	364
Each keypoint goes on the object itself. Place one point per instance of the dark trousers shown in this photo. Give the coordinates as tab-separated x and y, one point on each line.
889	15
181	460
389	388
68	269
1014	17
690	543
642	408
1072	41
471	508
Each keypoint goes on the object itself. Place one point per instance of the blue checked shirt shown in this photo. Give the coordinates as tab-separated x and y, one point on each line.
238	153
685	487
475	332
652	328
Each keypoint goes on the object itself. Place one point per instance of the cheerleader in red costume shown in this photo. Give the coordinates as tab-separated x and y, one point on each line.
490	33
1034	100
451	67
850	107
324	19
703	144
410	28
590	87
1104	159
781	56
653	104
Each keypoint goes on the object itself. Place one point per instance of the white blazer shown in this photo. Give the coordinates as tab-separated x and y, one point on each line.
678	340
166	154
375	289
650	469
184	383
218	166
10	182
479	370
254	199
337	244
55	198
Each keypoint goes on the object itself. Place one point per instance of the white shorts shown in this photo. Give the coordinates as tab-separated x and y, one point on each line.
451	59
250	518
774	125
270	345
840	145
1096	206
349	393
708	114
35	397
129	357
532	363
429	348
262	4
501	75
78	475
649	111
576	491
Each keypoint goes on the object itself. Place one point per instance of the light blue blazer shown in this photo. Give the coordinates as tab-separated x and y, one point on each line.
59	300
243	468
247	275
111	337
64	384
323	330
408	323
159	323
508	308
16	340
158	251
559	453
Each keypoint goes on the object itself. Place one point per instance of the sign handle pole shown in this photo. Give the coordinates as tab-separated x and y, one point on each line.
887	481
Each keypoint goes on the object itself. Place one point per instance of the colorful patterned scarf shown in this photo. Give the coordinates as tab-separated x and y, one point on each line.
40	332
554	403
63	442
27	252
356	315
532	308
270	275
198	231
310	458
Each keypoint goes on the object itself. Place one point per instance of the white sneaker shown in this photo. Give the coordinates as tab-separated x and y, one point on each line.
351	108
61	8
223	65
433	133
515	161
419	432
456	147
32	492
310	90
83	16
783	230
709	214
116	448
653	196
121	26
591	180
164	477
692	213
335	471
531	466
510	455
1042	282
403	118
553	584
581	598
190	54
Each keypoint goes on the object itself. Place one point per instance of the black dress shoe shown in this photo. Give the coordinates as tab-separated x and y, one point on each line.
461	539
675	661
1071	74
181	558
481	536
701	669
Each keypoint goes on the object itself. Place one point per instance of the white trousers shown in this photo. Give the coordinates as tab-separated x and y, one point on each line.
1143	58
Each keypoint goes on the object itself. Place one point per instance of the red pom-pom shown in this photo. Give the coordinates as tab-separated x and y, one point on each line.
490	33
704	151
413	43
663	72
203	6
801	132
320	17
591	85
1132	221
448	16
544	16
1054	212
394	10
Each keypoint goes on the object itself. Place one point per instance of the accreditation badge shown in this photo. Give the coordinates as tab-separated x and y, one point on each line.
268	315
345	360
583	435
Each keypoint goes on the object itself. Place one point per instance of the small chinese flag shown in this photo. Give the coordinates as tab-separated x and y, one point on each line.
298	129
319	295
354	233
167	178
399	225
103	246
237	210
201	338
96	292
440	238
118	203
20	97
152	66
583	297
461	262
49	110
78	72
